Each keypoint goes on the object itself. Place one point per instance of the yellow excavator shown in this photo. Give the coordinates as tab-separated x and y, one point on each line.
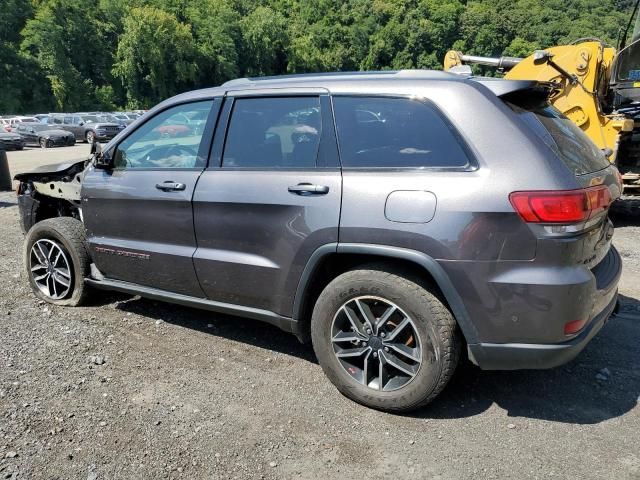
597	87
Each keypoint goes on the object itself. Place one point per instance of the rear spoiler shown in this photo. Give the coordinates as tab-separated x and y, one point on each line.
516	88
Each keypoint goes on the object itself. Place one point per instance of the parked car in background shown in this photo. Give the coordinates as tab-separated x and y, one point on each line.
43	117
21	119
11	141
125	118
5	125
110	118
182	125
10	123
86	127
36	133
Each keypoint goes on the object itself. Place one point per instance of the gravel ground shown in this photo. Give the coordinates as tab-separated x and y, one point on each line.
129	388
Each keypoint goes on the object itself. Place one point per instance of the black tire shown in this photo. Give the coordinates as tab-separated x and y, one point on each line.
90	136
433	322
43	143
69	234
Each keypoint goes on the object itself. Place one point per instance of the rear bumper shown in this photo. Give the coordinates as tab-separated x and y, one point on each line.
602	300
518	356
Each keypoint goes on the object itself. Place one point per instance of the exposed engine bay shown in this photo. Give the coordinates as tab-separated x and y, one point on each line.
51	191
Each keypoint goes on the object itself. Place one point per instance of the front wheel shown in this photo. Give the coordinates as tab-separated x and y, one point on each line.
56	260
43	143
90	136
384	340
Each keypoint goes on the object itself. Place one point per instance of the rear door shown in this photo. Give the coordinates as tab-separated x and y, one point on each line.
138	216
270	197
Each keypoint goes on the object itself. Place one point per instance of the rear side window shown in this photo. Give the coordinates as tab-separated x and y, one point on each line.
273	133
564	137
389	132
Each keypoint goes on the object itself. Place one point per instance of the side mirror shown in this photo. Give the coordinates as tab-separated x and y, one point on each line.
102	160
81	123
541	56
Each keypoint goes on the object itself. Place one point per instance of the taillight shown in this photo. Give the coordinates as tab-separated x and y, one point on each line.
561	206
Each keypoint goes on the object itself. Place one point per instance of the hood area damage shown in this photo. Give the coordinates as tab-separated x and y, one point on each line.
51	191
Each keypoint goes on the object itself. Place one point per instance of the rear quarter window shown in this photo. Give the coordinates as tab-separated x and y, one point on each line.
564	137
379	132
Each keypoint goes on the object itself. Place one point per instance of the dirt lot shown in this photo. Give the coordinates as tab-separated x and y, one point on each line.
188	394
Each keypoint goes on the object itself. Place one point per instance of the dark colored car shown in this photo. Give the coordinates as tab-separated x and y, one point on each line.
46	136
393	219
11	141
88	128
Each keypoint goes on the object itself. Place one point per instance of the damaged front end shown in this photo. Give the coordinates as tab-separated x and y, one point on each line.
50	191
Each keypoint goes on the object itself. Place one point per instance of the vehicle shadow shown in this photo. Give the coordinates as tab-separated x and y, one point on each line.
567	394
7	204
239	329
581	392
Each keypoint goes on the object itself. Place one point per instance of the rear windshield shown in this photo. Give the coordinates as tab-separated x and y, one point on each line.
564	137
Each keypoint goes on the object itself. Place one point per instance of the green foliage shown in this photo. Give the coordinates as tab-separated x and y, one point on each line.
75	55
155	57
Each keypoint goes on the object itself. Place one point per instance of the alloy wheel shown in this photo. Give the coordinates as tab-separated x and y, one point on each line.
50	269
376	343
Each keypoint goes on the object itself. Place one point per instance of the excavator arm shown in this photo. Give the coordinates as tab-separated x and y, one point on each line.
582	73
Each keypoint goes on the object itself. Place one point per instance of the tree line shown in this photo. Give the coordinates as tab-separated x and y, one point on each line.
72	55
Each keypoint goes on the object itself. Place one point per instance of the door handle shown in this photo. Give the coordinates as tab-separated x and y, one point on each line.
170	186
309	189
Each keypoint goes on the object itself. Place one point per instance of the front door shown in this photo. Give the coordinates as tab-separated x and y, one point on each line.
269	199
138	216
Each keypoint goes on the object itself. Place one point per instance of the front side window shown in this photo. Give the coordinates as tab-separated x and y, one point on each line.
378	132
170	139
273	132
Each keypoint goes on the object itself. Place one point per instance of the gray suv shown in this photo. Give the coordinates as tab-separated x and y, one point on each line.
87	128
396	220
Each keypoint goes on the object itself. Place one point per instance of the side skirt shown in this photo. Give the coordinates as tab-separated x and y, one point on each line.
284	323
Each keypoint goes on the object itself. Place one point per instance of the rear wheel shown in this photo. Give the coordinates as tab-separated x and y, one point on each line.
383	340
56	260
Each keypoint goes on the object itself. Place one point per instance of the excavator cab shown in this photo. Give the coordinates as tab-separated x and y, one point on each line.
625	78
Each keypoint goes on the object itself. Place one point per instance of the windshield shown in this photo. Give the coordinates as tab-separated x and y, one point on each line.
568	142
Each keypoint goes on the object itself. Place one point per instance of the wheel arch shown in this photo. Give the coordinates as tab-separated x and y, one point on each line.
331	260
